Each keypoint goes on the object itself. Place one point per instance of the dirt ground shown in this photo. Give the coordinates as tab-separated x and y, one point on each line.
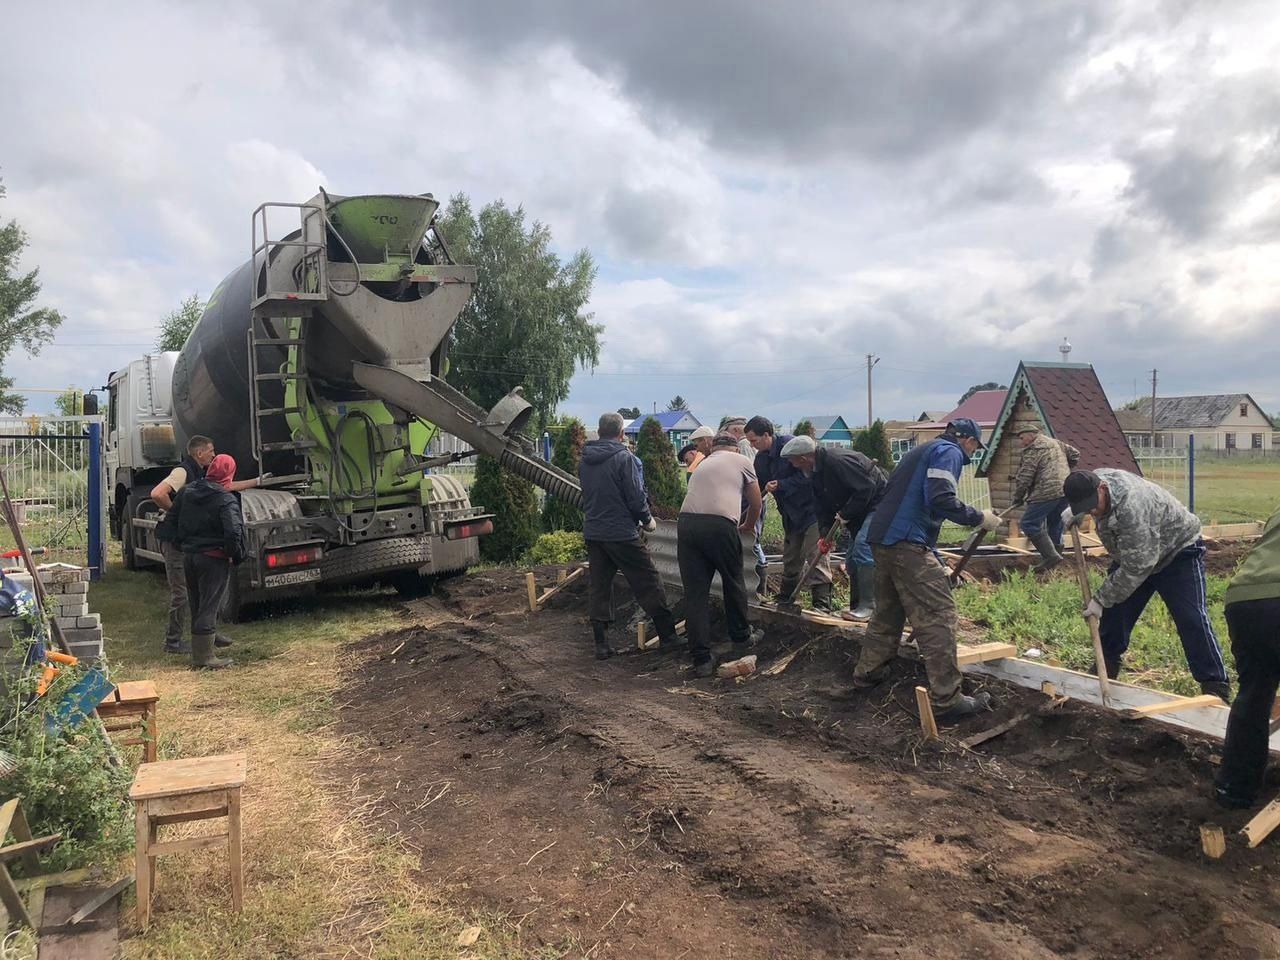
624	809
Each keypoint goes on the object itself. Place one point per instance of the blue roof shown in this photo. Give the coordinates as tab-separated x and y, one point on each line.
667	419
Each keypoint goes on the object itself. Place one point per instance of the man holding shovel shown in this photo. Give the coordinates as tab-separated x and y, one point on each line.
1155	547
910	582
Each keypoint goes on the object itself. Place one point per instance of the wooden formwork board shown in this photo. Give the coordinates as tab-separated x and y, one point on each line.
1232	531
1208	718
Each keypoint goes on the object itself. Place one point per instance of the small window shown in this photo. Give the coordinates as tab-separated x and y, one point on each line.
1244	409
1231	441
1257	441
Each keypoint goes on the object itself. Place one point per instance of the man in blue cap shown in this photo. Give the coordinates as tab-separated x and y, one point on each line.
910	582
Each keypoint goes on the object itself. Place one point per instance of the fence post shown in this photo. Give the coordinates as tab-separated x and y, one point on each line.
95	539
1191	472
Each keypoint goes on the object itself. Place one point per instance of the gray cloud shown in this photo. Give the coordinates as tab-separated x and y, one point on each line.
878	79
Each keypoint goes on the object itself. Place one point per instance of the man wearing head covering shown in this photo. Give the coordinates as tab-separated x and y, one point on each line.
1038	483
846	484
701	440
615	508
794	496
210	532
736	426
709	542
910	582
1155	547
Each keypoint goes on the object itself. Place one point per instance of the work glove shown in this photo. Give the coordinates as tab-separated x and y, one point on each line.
824	545
990	520
649	525
1093	609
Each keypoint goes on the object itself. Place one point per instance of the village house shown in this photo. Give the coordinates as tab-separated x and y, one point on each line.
1225	422
830	431
677	424
983	408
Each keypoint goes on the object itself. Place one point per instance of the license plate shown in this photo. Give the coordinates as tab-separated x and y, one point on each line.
292	577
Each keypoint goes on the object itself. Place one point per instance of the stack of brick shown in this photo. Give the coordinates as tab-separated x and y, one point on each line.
67	588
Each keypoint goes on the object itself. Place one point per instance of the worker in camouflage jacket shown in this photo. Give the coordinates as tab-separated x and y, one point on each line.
1038	483
1155	547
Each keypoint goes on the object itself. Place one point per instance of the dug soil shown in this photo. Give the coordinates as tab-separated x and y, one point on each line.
625	809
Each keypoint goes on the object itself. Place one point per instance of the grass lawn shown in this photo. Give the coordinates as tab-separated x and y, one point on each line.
321	881
1047	616
1234	490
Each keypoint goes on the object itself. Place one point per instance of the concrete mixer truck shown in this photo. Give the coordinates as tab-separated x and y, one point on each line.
319	364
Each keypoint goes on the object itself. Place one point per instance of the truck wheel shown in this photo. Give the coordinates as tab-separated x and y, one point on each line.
126	532
410	584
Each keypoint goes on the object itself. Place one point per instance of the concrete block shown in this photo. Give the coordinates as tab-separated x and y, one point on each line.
66	623
86	651
83	636
80	586
62	573
80	609
89	622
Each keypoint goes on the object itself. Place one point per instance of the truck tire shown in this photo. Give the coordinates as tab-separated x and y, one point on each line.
131	561
411	584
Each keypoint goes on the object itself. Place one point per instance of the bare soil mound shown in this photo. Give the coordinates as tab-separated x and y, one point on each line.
624	809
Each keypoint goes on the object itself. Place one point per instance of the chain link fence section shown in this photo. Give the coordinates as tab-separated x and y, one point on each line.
52	471
1169	466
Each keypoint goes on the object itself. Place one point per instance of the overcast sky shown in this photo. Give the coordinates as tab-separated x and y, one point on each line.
771	191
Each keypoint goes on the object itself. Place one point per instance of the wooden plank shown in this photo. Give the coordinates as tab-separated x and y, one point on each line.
1212	840
1210	720
928	725
90	906
984	651
169	778
1229	531
64	879
187	803
12	902
11	807
142	867
646	642
539	601
132	692
998	730
1260	827
531	587
1173	706
26	849
35	908
233	850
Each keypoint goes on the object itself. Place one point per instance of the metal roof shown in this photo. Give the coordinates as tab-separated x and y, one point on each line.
1180	413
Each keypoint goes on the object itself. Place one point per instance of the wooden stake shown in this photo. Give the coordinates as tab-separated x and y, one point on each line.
982	652
1082	574
1260	827
1173	706
645	642
1212	841
531	585
538	601
928	725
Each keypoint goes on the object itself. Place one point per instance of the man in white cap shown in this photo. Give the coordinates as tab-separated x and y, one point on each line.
736	426
701	440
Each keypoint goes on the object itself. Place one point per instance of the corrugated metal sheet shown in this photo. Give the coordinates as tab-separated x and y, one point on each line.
662	548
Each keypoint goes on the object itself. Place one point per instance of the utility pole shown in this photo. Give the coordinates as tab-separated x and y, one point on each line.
1153	411
871	362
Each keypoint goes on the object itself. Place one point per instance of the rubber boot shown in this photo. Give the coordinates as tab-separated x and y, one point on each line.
866	575
763	586
966	706
181	647
1218	688
821	594
1050	557
202	657
604	649
221	640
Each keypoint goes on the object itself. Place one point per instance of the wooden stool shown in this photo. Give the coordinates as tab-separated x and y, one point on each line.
176	791
135	701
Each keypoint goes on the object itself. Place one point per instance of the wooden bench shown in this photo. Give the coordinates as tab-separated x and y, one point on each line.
179	791
133	705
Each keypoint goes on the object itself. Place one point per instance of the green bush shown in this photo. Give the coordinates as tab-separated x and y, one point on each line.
661	472
510	499
65	779
874	442
569	438
557	548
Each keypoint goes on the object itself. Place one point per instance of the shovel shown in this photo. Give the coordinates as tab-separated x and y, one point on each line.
973	543
1082	574
821	550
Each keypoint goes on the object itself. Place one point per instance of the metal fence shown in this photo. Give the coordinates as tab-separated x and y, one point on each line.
1168	466
973	489
443	443
53	466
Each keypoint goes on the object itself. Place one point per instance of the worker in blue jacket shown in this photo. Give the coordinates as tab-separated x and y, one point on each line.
911	584
793	493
